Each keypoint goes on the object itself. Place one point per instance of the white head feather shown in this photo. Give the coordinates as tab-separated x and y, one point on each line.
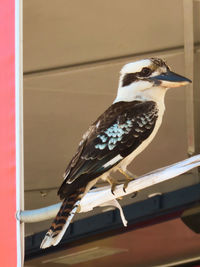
141	89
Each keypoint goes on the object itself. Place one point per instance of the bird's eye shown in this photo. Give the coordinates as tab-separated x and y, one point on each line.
145	72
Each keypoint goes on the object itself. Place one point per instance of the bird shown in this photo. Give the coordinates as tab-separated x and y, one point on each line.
117	136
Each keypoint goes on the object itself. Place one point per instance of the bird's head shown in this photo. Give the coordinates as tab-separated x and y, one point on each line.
147	79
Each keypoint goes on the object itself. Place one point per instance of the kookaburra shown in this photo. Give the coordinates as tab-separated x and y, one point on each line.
122	132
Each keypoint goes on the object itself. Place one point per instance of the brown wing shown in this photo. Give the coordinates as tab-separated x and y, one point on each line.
118	131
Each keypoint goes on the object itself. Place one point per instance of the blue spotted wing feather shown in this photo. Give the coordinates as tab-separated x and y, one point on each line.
118	131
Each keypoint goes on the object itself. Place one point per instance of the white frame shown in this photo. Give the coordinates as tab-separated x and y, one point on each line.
19	127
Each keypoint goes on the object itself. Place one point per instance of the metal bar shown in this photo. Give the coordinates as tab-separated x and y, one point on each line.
189	72
103	196
196	96
19	125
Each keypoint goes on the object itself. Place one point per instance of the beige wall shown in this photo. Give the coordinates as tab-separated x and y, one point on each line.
63	32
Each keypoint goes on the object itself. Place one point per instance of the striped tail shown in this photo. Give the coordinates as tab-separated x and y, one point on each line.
63	219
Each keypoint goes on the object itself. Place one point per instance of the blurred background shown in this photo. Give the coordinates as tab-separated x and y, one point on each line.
73	52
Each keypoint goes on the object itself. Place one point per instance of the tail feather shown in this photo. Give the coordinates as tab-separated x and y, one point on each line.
63	219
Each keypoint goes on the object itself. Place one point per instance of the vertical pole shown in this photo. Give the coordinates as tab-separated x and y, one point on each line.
19	126
189	72
197	98
192	90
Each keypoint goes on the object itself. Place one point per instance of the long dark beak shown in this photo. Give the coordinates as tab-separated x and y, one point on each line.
170	79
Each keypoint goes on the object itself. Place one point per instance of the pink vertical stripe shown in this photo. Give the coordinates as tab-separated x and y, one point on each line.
8	240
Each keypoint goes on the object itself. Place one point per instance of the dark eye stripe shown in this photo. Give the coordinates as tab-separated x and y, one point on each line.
129	78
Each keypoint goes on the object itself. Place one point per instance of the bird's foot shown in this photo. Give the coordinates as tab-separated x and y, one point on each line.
113	184
126	184
128	175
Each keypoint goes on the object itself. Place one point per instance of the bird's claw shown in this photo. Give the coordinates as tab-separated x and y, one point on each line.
112	191
114	184
126	184
124	188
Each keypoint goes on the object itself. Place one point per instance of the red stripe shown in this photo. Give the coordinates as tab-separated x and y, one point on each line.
8	247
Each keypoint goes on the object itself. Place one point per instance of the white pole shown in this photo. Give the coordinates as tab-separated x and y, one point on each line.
19	127
104	197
